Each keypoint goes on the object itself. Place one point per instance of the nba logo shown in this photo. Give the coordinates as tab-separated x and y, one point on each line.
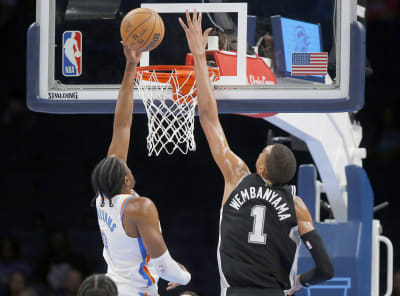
72	53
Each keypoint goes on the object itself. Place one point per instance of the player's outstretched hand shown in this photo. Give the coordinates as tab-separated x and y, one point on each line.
132	56
197	40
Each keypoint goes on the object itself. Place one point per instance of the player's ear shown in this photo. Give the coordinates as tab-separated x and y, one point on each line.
126	181
262	171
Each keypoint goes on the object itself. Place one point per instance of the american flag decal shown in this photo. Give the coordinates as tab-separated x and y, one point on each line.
309	63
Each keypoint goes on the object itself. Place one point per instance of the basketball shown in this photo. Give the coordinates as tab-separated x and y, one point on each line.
142	29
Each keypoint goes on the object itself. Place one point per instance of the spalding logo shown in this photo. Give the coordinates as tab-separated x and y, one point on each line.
137	38
155	39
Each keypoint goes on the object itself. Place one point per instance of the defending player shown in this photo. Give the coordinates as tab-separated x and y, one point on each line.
128	223
260	216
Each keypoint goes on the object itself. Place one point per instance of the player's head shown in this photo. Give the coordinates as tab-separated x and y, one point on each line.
277	164
72	35
110	177
98	285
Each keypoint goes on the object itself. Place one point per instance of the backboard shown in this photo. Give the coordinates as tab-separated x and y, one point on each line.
75	62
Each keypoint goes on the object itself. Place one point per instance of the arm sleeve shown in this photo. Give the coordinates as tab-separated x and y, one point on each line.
323	266
169	270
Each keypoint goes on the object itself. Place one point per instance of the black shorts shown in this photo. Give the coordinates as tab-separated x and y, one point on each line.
232	291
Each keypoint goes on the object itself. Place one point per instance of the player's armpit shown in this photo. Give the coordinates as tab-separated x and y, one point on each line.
143	213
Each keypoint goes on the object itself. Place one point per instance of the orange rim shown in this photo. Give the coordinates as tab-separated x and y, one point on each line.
183	73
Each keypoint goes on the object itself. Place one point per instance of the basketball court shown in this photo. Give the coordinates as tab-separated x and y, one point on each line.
261	64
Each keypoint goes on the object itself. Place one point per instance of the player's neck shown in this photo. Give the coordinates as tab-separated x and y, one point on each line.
125	190
268	182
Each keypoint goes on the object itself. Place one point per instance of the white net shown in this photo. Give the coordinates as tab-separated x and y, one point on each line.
170	108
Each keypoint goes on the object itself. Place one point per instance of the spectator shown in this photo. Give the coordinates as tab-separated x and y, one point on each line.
17	284
73	280
10	261
98	285
58	260
29	292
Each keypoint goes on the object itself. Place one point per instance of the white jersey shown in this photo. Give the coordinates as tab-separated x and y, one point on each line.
126	257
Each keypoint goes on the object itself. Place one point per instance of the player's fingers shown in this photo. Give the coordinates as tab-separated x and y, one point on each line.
194	17
188	20
184	27
200	18
171	286
205	34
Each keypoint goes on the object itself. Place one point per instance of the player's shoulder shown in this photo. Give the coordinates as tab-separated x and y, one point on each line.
302	211
140	206
298	201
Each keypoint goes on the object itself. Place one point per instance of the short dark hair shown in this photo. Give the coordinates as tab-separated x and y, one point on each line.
98	285
281	164
108	177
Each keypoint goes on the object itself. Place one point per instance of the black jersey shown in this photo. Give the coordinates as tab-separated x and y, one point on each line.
259	240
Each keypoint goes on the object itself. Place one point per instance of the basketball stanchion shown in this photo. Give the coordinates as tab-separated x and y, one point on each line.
170	99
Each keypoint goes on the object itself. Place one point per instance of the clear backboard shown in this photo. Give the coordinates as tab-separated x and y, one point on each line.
274	56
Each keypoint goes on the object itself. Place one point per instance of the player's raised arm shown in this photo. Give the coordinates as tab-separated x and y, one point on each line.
123	111
323	266
231	166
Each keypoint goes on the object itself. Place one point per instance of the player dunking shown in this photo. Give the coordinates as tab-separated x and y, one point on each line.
134	248
260	216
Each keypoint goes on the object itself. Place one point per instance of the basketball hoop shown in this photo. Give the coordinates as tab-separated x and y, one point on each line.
170	99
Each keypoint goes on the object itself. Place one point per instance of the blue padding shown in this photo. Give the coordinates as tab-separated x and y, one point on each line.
342	243
348	244
360	208
306	186
355	101
360	194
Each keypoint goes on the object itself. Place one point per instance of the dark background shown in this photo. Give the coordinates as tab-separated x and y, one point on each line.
47	160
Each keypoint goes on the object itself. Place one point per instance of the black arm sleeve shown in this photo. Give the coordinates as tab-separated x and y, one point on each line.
323	266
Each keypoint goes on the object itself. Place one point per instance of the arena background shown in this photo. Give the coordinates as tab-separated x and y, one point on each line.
47	160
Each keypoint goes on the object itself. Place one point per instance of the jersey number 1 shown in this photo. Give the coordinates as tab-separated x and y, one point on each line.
257	236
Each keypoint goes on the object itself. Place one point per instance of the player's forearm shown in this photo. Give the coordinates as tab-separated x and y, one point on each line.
168	269
323	266
124	108
206	101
